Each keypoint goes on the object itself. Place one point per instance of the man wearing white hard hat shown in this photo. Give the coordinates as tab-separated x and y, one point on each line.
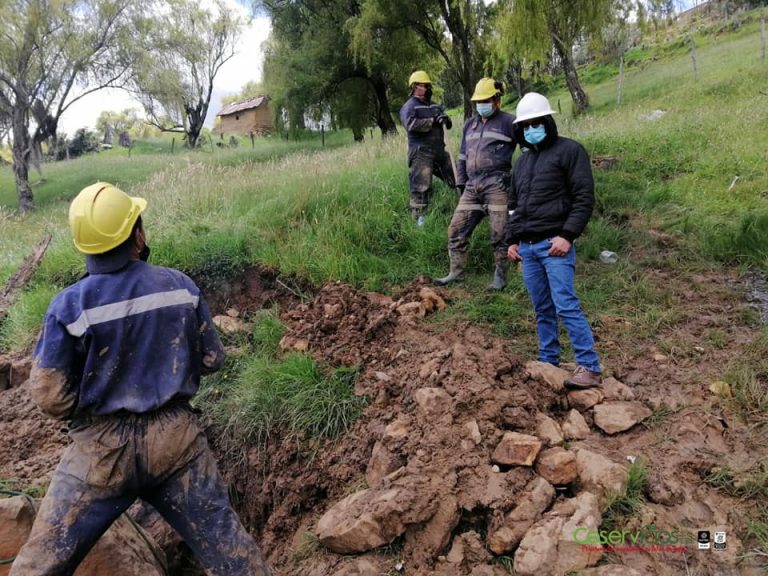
551	200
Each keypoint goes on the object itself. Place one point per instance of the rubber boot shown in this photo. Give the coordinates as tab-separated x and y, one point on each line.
499	276
458	263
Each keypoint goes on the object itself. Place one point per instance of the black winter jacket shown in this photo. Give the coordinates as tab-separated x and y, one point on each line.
552	192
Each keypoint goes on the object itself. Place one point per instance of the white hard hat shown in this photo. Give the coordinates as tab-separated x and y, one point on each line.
533	105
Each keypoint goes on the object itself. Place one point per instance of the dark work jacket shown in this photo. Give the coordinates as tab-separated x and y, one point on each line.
486	147
129	337
418	118
552	192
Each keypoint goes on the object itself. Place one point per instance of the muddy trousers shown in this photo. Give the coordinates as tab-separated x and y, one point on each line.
423	163
162	458
488	195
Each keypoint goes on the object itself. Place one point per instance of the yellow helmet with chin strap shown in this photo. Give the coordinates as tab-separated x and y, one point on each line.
486	89
102	216
419	77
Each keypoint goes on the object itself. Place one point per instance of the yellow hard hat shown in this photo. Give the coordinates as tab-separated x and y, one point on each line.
486	88
419	77
102	216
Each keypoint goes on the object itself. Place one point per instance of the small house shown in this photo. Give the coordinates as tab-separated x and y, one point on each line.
252	116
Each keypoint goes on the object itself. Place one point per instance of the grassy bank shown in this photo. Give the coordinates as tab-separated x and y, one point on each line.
341	213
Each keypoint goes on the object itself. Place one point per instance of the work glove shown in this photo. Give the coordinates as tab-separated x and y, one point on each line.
444	120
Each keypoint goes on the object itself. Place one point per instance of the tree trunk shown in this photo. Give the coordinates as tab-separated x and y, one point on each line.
383	116
579	97
22	148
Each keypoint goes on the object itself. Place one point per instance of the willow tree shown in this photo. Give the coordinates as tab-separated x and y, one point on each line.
453	30
53	53
180	53
310	66
533	28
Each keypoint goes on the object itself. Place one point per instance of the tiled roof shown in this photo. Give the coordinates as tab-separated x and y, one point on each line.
245	105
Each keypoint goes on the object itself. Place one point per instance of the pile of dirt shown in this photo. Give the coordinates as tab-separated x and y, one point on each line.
470	459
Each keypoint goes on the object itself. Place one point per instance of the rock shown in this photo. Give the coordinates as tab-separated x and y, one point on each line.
382	376
397	430
371	518
382	463
468	550
660	358
16	518
423	542
583	400
516	449
433	401
547	373
431	301
473	431
230	325
664	491
615	390
548	430
504	537
720	388
610	570
360	567
583	512
379	299
411	309
557	466
14	371
599	474
548	547
575	427
615	417
233	313
515	417
537	553
124	545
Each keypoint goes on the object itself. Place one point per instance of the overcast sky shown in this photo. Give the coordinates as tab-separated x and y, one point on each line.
243	67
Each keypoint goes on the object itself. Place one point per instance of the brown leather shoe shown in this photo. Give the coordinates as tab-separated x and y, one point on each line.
583	378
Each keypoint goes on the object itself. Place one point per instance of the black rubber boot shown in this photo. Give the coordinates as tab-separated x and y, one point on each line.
499	276
458	263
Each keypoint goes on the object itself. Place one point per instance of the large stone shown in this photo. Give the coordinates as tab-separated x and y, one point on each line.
516	449
423	542
433	401
599	474
16	518
124	550
547	373
537	497
615	417
360	567
557	466
549	547
610	570
382	463
371	518
575	427
615	390
548	430
583	400
468	550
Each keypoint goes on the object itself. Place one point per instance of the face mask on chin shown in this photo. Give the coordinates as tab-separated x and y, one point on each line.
535	134
485	109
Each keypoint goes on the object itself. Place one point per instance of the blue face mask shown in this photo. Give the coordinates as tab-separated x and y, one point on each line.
535	134
485	109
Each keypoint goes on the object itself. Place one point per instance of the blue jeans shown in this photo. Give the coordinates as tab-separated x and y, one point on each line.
550	283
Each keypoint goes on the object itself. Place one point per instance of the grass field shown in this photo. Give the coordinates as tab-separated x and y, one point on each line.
695	174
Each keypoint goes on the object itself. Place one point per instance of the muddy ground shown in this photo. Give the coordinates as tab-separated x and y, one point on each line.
445	454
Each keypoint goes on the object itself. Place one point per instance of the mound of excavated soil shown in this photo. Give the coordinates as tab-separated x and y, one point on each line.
471	459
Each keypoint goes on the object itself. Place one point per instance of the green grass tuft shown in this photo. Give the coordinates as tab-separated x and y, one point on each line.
619	507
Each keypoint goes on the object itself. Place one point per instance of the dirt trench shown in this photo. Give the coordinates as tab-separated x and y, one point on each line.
441	401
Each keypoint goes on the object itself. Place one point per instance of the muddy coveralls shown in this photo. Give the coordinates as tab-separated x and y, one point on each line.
483	169
120	356
426	151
